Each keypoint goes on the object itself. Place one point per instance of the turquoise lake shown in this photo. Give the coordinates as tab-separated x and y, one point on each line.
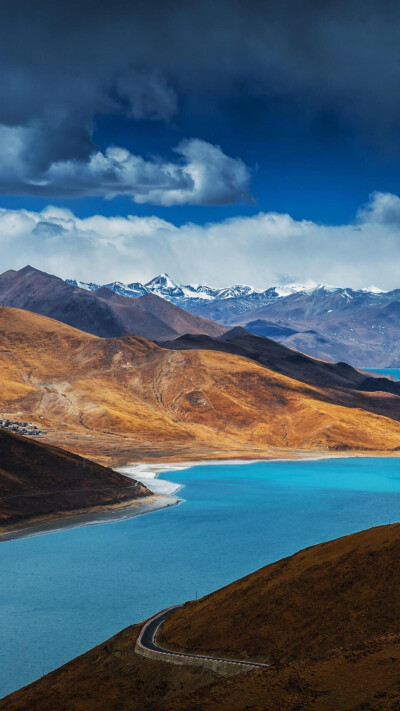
395	372
64	592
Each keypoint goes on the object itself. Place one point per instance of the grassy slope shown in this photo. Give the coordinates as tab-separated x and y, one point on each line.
332	610
127	397
302	606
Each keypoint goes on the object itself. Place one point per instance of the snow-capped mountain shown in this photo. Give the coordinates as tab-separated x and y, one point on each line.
223	304
133	290
169	289
193	294
358	326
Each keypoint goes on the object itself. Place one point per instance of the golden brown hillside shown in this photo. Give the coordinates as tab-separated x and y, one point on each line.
126	398
330	615
343	592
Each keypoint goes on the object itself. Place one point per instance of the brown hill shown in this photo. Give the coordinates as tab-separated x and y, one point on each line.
39	483
286	361
102	312
127	398
277	357
302	607
329	616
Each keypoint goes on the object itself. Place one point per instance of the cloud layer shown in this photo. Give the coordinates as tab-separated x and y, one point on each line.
201	175
63	64
86	57
262	250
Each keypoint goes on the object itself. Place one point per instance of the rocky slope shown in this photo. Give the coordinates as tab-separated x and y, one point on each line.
101	312
39	483
327	619
356	327
127	398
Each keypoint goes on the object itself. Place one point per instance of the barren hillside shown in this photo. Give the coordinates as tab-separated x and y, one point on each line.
126	398
39	483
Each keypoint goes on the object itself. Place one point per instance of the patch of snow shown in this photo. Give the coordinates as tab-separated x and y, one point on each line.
88	286
131	290
374	290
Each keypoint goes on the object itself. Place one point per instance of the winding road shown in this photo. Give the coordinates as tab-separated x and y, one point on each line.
147	642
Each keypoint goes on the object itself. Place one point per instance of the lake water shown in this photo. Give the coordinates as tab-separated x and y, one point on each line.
395	372
64	592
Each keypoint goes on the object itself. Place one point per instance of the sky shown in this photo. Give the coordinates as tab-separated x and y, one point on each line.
222	142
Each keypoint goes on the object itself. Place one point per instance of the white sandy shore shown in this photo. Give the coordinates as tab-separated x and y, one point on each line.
148	472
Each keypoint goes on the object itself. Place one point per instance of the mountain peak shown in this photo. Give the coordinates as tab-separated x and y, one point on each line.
163	279
29	269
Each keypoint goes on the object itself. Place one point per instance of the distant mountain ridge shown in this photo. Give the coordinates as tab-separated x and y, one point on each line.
200	297
201	294
359	326
100	312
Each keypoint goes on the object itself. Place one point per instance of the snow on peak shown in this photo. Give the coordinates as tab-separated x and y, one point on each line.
237	291
374	290
198	291
162	285
88	286
164	281
133	290
289	289
182	294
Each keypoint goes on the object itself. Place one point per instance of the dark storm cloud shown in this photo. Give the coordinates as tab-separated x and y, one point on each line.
61	64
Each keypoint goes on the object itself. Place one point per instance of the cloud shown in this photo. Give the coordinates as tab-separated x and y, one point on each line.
255	250
202	175
146	94
64	64
382	208
86	57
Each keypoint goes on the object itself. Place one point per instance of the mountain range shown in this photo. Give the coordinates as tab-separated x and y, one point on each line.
361	327
218	303
101	312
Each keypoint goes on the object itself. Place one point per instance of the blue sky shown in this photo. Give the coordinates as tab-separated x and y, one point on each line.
319	168
206	117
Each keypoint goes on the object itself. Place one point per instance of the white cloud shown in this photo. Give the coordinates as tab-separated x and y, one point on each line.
201	175
382	208
256	250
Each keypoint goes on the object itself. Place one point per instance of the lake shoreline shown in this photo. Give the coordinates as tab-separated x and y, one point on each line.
164	496
110	514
